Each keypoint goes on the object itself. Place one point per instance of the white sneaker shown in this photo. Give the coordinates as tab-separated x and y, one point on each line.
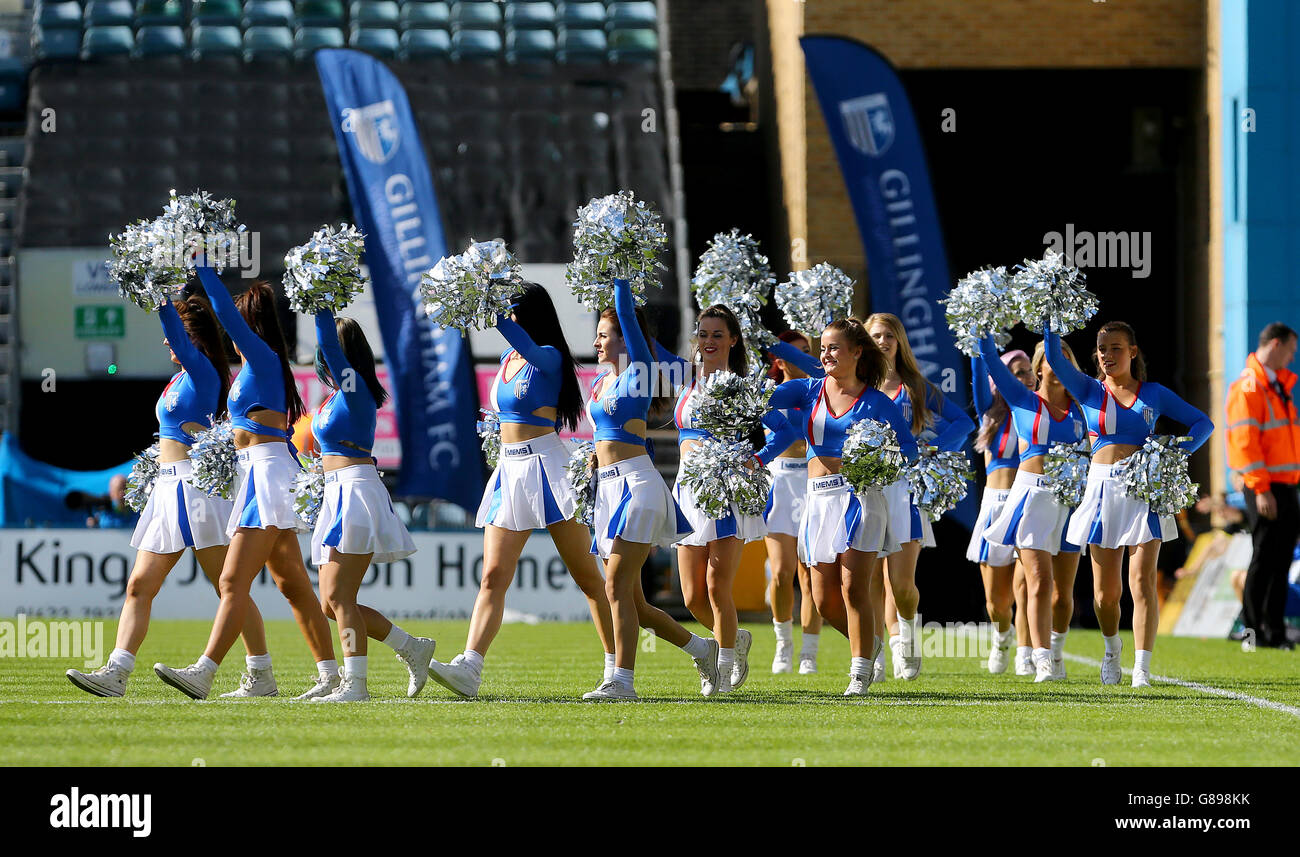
911	667
783	661
1058	668
193	681
896	655
1024	664
321	686
1000	656
1043	670
612	691
415	657
1111	671
740	669
1141	678
858	685
254	683
707	667
878	672
457	676
108	680
807	665
350	689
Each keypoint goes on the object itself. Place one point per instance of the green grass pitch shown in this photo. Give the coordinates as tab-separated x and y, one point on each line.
530	711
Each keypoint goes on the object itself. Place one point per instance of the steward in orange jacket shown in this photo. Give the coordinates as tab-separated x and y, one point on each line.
1263	428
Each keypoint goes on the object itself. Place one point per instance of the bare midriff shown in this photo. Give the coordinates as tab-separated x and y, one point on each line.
270	419
1116	452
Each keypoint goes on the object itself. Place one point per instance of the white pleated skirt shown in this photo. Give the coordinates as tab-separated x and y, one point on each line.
634	503
837	518
1032	518
1109	519
529	489
747	528
263	499
980	549
788	497
906	523
179	516
357	517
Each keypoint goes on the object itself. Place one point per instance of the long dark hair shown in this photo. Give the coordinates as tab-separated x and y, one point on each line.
661	402
352	339
737	359
872	365
1138	368
257	306
790	337
534	311
204	331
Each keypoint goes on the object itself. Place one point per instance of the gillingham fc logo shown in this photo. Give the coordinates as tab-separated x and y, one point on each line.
869	123
521	387
1149	416
374	127
610	404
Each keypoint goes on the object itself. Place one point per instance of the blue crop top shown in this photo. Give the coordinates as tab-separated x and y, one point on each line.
1033	418
535	385
826	430
192	394
1111	422
259	383
1004	446
345	423
950	425
811	366
629	397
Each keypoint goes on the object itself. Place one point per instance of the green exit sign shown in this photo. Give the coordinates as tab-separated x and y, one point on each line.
100	322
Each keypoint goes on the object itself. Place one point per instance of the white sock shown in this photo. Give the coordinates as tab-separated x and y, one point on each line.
860	666
122	659
726	660
1042	655
696	647
1058	644
1142	660
1024	651
784	631
205	662
327	669
623	676
609	666
397	639
258	662
354	666
1113	644
906	629
809	645
474	660
1000	638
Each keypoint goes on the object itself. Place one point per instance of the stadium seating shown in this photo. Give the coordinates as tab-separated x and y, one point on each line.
425	45
157	13
585	16
475	45
581	46
374	13
631	16
57	43
268	13
530	46
109	13
475	16
159	41
207	41
268	43
640	46
217	12
53	16
530	16
103	42
309	39
425	16
380	42
320	13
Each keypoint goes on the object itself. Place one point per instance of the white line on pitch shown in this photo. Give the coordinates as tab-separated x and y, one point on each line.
1203	688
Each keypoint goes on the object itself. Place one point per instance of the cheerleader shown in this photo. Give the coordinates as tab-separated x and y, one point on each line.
709	556
1032	520
178	515
938	422
843	530
1107	521
263	526
535	393
356	524
997	440
634	509
791	358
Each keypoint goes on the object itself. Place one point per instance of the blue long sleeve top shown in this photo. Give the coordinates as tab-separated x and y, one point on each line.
628	398
1033	419
1004	446
951	425
827	430
192	395
535	386
345	423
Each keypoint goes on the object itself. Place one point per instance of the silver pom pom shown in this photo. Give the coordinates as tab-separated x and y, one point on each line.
872	457
814	298
981	304
196	221
615	237
489	428
308	491
1066	469
144	472
728	405
325	273
469	291
1053	291
581	470
1157	475
213	455
720	474
144	265
733	272
938	480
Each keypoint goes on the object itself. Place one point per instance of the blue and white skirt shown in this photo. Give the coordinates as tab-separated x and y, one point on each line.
633	503
1032	518
357	517
837	518
906	522
981	549
789	494
529	489
262	499
1108	518
747	528
179	516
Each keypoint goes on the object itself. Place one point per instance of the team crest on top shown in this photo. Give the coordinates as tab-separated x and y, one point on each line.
869	123
521	387
1078	428
235	388
173	398
374	127
610	404
1149	416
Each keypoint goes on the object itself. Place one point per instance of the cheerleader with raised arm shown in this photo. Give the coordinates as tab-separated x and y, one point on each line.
939	422
1121	408
997	440
1032	519
535	393
263	525
844	530
177	515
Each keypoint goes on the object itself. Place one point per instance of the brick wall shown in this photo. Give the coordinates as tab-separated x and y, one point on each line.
702	33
